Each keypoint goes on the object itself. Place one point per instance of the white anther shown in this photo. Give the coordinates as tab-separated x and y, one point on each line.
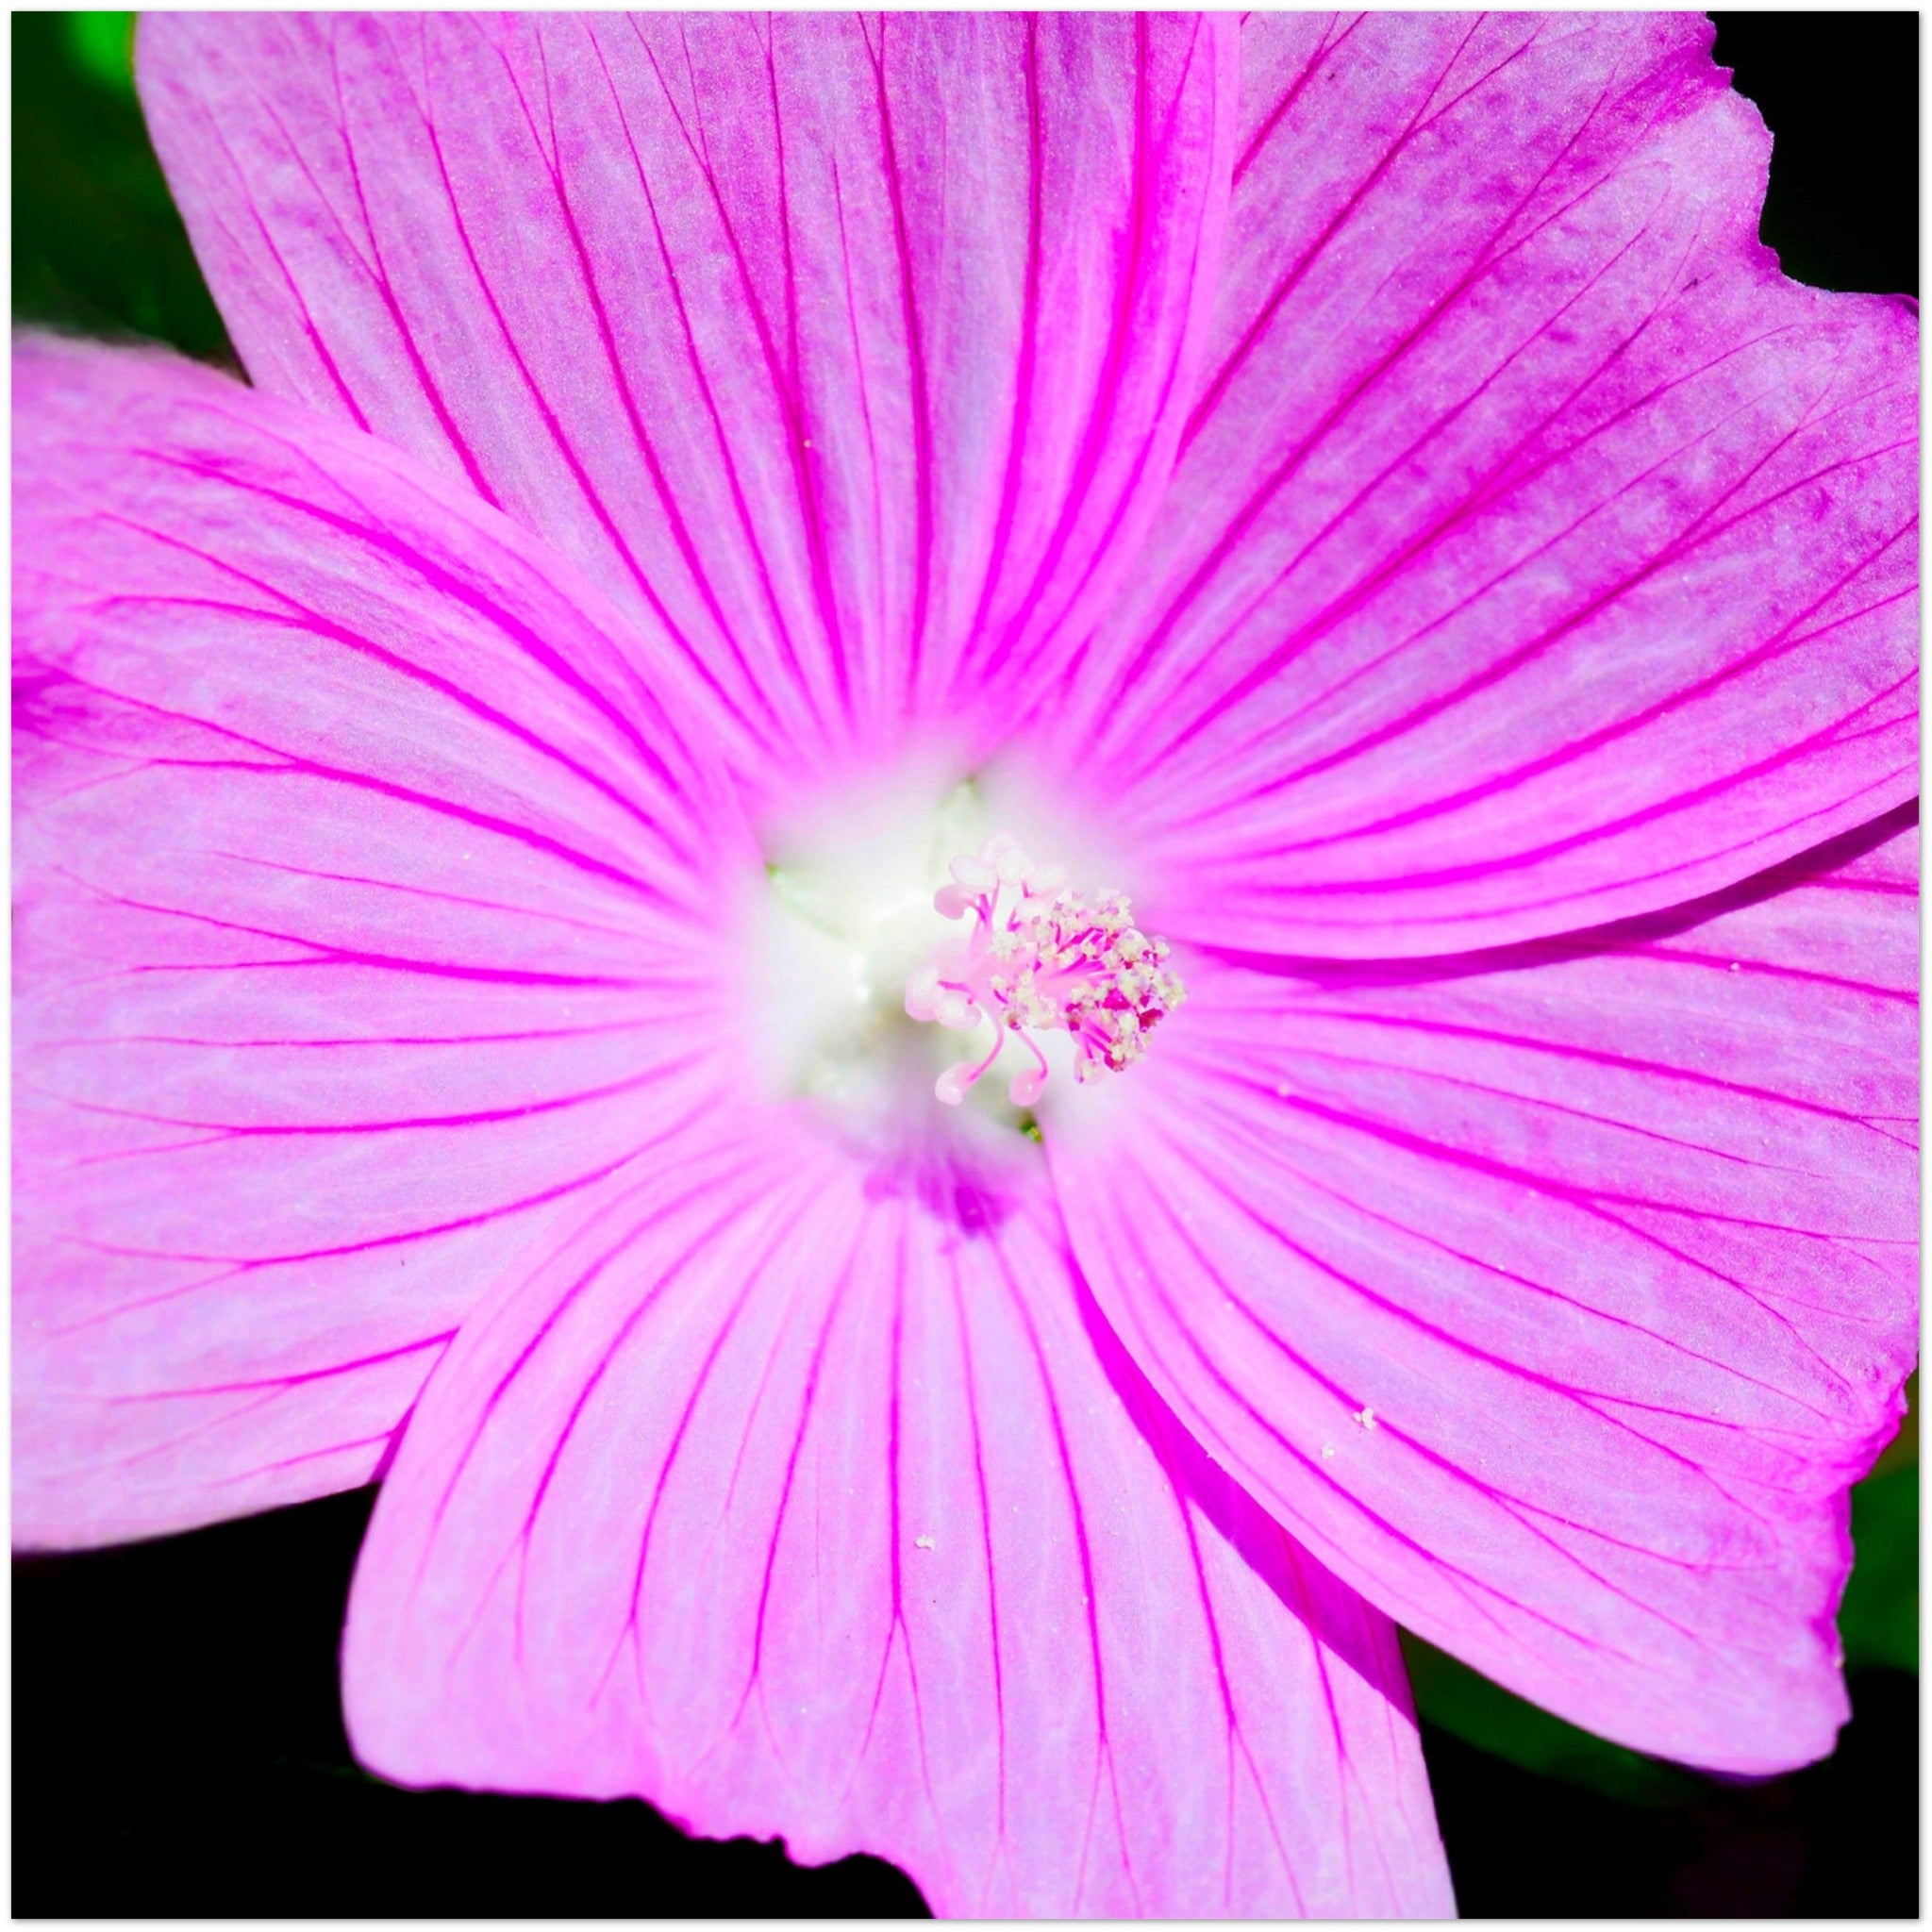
1022	1089
1013	866
922	995
954	1010
975	874
950	1085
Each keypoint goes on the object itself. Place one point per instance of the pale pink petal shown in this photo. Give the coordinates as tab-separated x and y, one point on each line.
855	350
810	1499
1554	1296
359	930
1538	555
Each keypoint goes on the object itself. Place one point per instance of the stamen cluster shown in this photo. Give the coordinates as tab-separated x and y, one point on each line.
1042	958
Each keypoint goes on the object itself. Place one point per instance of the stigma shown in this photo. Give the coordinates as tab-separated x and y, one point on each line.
1039	958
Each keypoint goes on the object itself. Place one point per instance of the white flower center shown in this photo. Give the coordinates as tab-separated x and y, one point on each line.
857	937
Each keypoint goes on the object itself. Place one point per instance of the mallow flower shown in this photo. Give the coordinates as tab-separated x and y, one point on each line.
982	874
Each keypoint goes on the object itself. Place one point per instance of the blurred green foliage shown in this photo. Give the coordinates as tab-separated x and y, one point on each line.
103	46
1459	1701
1902	1452
1878	1621
97	244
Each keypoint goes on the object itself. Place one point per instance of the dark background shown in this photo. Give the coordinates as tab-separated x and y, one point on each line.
177	1743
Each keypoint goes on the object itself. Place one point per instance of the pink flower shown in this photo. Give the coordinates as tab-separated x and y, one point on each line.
1361	491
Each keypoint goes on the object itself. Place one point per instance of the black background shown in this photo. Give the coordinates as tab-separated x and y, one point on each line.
177	1743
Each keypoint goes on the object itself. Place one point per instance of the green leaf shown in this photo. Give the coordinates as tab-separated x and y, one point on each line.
1878	1621
1455	1699
97	244
103	48
1902	1452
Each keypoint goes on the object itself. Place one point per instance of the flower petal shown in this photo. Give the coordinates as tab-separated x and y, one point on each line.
358	930
1552	1297
1538	555
849	348
807	1499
